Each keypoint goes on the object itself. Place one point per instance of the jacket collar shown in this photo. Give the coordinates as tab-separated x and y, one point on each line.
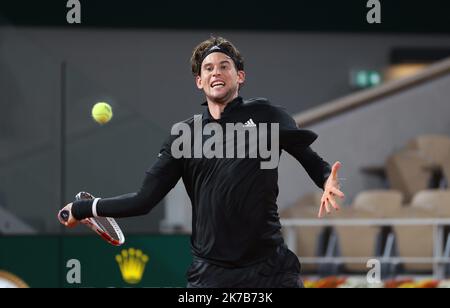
238	101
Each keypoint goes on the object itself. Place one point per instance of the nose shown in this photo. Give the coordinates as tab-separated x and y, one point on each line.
216	71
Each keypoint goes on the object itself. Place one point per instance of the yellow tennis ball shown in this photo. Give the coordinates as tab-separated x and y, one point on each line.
102	112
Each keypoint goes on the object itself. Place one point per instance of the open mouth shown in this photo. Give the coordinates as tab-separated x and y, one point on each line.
218	84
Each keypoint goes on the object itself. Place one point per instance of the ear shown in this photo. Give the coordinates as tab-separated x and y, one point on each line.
198	81
241	77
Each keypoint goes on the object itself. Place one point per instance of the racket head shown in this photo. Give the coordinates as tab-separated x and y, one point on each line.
106	227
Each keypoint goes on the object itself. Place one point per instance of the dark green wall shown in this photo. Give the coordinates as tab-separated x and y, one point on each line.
41	261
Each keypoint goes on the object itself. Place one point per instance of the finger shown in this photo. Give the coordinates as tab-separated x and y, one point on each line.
334	170
334	204
321	209
72	223
64	223
327	206
337	192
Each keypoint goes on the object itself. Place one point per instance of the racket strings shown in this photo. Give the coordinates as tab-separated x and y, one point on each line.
109	227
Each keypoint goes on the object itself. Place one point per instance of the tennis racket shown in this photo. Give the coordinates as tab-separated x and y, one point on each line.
106	227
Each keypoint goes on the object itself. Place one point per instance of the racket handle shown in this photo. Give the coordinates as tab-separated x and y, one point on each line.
80	196
64	215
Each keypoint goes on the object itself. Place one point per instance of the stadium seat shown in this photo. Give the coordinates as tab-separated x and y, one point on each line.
436	201
307	242
408	171
366	241
357	241
436	148
417	241
381	202
414	241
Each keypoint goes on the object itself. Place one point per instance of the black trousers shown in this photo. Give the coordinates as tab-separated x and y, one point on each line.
281	270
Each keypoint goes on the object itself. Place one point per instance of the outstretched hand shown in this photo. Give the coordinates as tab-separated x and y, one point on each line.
331	190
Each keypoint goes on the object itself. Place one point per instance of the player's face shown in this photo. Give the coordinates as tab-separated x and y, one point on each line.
219	78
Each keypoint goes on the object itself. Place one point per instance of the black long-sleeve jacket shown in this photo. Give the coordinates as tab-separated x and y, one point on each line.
235	218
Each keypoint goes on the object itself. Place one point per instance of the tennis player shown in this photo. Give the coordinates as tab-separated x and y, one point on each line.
236	233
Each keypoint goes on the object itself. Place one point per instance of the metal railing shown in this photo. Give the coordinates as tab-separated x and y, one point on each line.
439	259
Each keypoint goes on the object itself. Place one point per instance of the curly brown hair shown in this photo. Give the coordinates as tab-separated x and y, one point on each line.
201	49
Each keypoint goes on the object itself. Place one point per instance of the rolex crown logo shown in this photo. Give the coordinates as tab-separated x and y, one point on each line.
132	265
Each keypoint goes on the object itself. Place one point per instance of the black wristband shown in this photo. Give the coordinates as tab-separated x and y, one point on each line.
82	209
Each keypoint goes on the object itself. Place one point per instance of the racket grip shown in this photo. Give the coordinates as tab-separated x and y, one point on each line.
64	215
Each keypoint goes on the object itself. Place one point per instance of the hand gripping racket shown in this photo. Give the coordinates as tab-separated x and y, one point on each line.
106	227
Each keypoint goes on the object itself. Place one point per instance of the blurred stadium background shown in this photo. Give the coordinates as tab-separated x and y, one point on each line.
377	95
